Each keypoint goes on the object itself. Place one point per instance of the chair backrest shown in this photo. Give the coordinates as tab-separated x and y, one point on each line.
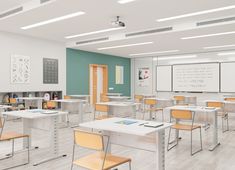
101	108
150	101
215	104
89	140
67	97
138	98
229	99
182	114
104	98
179	98
12	100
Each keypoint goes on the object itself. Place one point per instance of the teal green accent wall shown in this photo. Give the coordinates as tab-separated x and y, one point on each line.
78	71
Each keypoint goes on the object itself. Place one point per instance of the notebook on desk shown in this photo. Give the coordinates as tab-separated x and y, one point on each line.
153	124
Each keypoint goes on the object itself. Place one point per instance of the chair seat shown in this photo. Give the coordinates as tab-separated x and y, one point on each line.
95	161
185	127
102	117
12	135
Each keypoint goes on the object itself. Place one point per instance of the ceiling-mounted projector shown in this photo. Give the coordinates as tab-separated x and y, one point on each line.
118	23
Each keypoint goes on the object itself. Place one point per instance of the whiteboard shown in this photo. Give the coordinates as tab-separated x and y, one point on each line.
227	77
196	77
164	78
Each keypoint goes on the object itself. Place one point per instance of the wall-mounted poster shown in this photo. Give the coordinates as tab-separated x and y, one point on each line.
119	75
143	76
50	71
20	69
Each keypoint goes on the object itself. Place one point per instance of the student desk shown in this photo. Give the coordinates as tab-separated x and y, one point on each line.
114	94
121	109
118	98
199	110
161	102
4	107
76	102
38	119
229	106
83	97
28	101
134	135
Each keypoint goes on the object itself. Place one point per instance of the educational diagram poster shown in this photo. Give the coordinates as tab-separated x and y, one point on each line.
20	69
143	76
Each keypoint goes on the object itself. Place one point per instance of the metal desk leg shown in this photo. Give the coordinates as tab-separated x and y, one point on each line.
53	143
26	130
215	134
160	150
80	114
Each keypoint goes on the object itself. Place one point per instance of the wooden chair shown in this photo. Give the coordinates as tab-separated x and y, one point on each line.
104	98
180	116
67	97
179	100
12	136
139	99
100	159
101	109
231	99
221	113
150	106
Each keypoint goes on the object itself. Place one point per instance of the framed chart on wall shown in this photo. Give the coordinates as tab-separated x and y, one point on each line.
20	69
50	71
143	76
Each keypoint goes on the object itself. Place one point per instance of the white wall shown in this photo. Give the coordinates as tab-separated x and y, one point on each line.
37	49
152	63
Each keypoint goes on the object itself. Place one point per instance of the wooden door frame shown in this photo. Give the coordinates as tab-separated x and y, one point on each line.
105	80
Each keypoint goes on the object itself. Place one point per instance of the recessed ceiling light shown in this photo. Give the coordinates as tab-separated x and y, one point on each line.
156	52
226	53
94	32
125	1
175	57
53	20
220	46
208	35
127	45
196	13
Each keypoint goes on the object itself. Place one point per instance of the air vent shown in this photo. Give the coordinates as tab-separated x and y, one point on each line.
216	21
44	1
153	31
92	41
11	12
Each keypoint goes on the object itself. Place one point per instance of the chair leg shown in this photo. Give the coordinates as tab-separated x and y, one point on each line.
162	116
168	143
129	165
193	153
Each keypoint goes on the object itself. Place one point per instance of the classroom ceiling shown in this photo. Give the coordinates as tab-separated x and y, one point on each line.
139	15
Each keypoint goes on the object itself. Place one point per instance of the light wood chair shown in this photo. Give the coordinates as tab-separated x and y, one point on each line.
139	99
150	106
181	117
67	97
102	111
100	159
12	136
179	100
104	98
231	99
221	113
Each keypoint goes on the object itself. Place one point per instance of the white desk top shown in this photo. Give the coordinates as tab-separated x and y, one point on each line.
114	94
70	101
5	106
119	103
34	113
119	97
193	108
80	95
133	129
160	99
30	98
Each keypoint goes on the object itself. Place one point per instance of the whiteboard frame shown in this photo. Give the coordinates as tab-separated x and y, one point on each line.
171	78
219	63
221	76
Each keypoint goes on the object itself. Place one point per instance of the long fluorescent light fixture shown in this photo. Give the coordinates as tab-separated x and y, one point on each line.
220	46
175	57
94	32
125	1
156	52
197	13
53	20
226	53
208	35
127	45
